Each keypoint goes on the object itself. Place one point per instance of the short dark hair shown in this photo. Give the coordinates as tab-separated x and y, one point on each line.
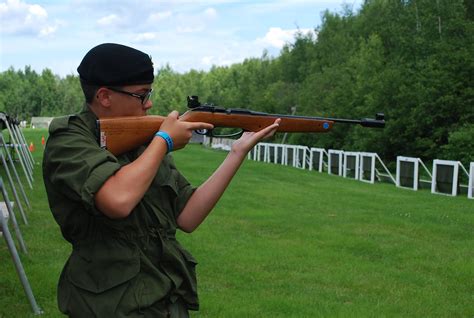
89	91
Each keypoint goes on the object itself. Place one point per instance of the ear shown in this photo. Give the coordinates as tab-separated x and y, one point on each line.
104	97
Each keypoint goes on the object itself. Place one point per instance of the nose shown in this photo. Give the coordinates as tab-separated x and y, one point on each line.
148	104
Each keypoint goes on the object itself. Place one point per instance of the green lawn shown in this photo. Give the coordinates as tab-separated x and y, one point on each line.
284	242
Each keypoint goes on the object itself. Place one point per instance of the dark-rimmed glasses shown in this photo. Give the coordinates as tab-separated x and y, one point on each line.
143	97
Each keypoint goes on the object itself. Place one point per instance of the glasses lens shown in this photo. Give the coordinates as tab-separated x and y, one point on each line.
146	97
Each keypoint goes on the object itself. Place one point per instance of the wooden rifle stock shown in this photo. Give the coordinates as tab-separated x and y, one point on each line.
122	134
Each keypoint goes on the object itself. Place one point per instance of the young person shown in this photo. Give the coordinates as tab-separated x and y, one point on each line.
120	213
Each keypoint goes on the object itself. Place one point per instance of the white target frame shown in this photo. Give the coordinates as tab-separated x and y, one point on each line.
340	158
356	155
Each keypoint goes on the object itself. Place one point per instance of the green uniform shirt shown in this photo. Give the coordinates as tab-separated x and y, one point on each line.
118	267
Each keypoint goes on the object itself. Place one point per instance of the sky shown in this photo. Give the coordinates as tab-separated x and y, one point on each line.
183	34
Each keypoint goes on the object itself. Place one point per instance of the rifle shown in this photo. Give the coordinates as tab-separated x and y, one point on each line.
122	134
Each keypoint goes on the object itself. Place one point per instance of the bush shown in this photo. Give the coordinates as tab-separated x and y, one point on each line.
460	145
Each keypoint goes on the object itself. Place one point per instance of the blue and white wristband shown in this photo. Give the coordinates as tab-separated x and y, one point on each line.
167	138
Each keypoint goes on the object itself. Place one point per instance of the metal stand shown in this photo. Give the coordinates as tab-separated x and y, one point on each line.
13	251
12	185
16	145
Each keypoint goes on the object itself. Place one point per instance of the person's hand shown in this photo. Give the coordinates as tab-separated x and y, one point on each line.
181	131
249	139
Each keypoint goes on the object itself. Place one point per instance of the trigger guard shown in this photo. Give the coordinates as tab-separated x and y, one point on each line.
203	132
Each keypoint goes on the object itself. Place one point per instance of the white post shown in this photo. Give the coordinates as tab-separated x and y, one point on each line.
470	189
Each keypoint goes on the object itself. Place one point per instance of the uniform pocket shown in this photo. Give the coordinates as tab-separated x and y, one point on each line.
103	265
170	183
162	195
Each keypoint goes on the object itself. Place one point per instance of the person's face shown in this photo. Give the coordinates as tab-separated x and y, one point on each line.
131	100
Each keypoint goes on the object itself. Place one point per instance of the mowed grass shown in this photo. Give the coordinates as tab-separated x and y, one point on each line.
284	242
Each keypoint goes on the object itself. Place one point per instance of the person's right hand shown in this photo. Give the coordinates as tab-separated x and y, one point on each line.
181	131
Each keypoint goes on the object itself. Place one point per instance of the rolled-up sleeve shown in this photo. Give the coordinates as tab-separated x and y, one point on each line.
76	165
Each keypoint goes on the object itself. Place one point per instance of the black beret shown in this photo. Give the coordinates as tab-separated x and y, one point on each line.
111	64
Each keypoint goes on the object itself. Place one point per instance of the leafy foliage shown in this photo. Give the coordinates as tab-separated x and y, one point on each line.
410	59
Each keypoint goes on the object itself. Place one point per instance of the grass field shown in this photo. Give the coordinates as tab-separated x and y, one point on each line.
285	242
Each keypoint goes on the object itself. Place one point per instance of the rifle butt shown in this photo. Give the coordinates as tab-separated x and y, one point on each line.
121	134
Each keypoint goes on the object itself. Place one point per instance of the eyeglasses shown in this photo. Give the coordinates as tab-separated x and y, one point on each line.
143	97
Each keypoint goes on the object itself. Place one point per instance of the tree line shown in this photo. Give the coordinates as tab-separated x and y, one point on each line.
411	59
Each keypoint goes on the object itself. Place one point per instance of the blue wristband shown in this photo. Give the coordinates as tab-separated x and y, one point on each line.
167	138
